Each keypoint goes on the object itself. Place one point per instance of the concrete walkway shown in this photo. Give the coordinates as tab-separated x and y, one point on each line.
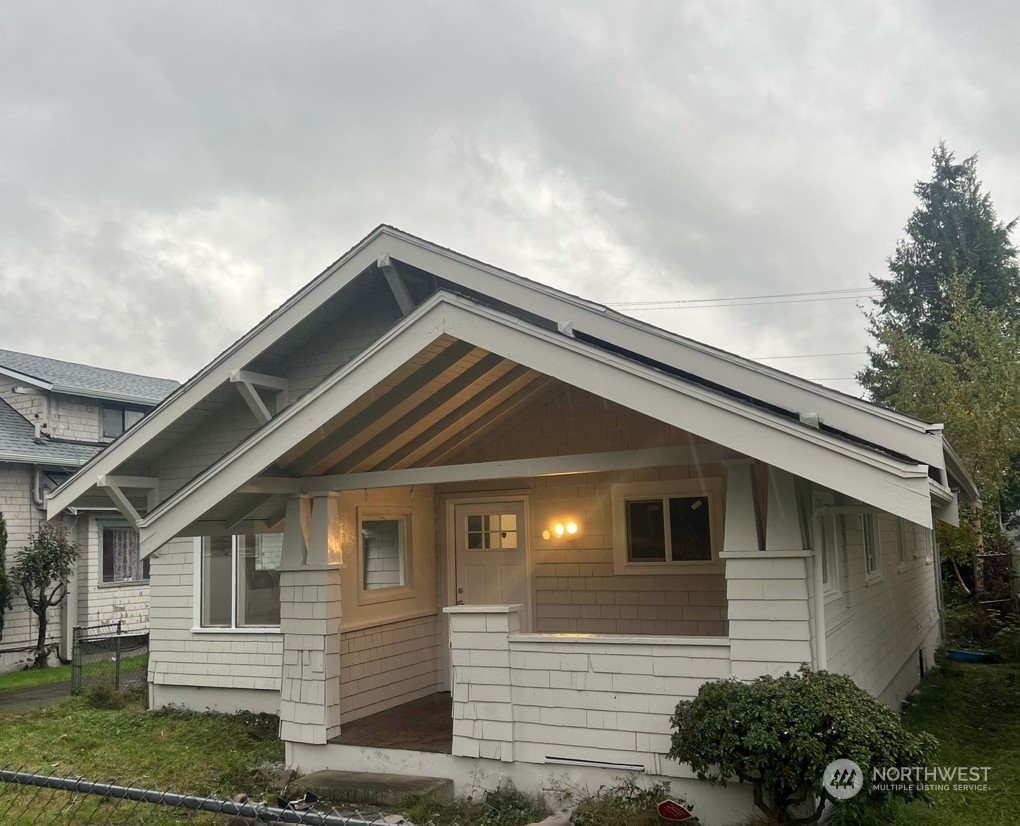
18	699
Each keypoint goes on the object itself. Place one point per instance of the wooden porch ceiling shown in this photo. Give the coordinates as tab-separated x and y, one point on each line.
423	414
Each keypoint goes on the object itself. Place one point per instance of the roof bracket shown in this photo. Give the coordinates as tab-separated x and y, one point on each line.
397	285
248	383
114	487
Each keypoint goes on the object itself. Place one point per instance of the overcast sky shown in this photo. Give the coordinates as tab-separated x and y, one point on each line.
171	172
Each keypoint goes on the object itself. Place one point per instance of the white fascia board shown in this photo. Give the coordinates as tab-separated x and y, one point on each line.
19	459
895	486
209	378
955	467
23	378
864	420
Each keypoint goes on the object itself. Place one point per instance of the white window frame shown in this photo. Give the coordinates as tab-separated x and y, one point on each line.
622	492
119	583
197	597
832	580
870	528
901	543
395	592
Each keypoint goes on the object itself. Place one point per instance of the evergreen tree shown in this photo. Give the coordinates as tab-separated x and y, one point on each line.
954	230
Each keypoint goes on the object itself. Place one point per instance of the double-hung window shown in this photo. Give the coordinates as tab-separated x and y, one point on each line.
666	527
121	561
240	581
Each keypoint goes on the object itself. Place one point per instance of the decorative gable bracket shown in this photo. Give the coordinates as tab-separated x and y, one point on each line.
115	487
248	384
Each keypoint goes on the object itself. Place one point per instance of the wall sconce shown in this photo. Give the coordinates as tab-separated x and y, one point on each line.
565	529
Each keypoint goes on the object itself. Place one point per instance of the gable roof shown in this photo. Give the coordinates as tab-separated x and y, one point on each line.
869	429
82	380
19	444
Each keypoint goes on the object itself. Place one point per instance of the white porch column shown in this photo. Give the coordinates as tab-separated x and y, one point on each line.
743	522
310	613
782	531
483	718
769	611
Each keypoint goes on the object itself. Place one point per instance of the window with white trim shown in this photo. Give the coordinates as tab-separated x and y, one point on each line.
121	561
240	581
827	540
666	527
384	554
872	546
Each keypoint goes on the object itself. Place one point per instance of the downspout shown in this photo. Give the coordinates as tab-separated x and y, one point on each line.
37	496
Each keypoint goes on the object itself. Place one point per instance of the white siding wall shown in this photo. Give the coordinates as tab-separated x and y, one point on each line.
73	417
99	602
178	656
539	699
387	665
874	629
27	404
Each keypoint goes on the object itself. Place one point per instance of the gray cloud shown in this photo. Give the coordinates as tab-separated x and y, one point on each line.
170	172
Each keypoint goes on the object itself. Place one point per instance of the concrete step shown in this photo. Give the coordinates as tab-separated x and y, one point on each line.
386	790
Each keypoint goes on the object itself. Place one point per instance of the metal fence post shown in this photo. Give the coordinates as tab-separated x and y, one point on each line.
116	672
76	659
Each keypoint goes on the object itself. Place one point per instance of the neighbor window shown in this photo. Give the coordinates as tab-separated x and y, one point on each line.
828	542
240	581
119	417
667	526
872	545
121	561
384	554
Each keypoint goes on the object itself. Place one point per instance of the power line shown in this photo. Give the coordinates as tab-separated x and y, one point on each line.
808	356
743	297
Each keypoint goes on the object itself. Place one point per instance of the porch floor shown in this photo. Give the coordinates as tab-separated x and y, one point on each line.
420	725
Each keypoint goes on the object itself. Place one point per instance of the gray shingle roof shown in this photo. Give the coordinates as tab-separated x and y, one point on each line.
18	443
82	380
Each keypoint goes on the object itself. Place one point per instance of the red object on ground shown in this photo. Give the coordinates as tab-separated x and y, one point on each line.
671	810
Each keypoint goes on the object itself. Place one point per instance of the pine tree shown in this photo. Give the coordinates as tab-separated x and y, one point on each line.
953	231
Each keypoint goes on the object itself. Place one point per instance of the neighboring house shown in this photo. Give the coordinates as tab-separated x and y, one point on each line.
423	474
54	417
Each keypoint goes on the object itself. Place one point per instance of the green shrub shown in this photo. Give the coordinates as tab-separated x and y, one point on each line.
968	625
779	734
104	698
624	804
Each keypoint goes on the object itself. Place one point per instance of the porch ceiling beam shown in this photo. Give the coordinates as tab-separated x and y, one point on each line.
389	269
407	423
514	380
322	452
218	527
251	504
146	482
517	468
536	394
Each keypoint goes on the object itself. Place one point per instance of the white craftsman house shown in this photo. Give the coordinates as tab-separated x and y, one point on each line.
54	417
449	521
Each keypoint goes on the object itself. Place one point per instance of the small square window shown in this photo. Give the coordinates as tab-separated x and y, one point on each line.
121	561
384	554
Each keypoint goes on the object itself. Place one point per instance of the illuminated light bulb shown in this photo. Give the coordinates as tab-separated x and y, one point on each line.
571	528
558	529
546	535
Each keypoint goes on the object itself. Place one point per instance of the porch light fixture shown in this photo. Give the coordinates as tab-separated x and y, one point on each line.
566	529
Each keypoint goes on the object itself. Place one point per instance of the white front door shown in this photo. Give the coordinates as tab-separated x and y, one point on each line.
491	551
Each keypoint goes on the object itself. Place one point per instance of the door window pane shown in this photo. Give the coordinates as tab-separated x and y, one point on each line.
492	531
689	528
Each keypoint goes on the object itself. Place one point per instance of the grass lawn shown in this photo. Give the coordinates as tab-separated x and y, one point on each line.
35	676
974	711
189	753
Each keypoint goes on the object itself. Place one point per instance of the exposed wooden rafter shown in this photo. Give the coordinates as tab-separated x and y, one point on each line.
115	487
320	454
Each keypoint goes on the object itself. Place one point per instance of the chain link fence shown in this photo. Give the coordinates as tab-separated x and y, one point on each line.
103	655
33	798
